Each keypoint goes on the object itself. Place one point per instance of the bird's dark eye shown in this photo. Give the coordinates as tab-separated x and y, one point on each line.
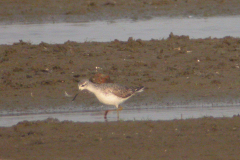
84	84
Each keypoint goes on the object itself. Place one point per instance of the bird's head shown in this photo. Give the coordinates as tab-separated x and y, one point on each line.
83	84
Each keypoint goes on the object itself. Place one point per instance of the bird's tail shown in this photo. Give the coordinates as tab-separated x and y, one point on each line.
139	89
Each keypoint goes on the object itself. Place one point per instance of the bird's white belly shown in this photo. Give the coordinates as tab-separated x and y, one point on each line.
109	99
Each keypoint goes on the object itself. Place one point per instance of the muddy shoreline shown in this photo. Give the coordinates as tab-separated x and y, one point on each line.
175	70
205	138
80	11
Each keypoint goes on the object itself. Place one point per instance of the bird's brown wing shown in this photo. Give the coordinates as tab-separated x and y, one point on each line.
122	91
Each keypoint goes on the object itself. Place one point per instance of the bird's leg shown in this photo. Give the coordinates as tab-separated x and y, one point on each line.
118	109
105	114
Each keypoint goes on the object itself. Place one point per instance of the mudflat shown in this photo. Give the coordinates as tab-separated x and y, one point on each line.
205	138
27	11
173	70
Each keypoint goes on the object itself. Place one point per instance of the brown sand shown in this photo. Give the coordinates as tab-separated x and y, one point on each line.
206	138
174	70
28	11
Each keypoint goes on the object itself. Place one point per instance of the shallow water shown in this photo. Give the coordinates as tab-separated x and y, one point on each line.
102	31
125	115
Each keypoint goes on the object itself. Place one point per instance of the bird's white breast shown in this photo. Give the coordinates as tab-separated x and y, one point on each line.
109	99
105	96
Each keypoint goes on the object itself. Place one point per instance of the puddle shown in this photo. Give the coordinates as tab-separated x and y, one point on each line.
102	31
125	115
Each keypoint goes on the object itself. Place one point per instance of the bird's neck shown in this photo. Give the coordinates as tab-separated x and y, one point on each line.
92	88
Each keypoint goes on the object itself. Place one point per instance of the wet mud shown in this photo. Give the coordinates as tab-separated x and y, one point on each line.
176	70
205	138
173	70
27	11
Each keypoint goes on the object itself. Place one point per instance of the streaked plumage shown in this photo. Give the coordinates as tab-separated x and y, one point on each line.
110	93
